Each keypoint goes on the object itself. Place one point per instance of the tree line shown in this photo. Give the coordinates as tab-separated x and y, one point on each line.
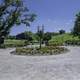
14	12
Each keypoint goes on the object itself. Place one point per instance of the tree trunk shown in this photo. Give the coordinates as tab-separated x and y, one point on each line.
1	41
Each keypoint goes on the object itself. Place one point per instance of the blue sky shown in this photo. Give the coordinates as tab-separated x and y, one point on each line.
53	14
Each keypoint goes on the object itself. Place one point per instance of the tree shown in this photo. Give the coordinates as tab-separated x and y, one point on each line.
40	34
11	37
25	35
13	12
76	28
47	37
61	31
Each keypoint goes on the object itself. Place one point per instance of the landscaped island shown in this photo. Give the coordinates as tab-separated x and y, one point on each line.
48	50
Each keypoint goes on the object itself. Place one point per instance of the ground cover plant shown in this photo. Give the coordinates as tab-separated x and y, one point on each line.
48	50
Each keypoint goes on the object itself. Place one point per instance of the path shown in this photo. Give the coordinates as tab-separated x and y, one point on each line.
57	67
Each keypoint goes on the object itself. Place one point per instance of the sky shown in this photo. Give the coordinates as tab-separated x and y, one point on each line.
53	14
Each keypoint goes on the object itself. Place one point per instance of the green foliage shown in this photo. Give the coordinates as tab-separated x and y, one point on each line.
73	42
47	37
35	37
76	29
57	40
61	31
13	12
15	43
50	50
60	39
25	36
11	37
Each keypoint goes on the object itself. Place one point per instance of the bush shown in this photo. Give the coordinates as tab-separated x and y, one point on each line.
2	46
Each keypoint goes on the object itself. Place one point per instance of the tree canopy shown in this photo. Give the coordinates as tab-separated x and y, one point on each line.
25	36
76	29
13	12
47	37
61	31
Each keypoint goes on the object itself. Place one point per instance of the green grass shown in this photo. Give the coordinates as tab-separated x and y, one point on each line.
8	41
60	39
14	43
56	40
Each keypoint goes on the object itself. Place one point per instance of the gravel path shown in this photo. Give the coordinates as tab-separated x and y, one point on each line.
57	67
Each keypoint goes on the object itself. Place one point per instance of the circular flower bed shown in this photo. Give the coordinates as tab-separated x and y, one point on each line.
50	50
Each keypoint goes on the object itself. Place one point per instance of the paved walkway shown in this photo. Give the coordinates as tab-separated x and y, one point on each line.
57	67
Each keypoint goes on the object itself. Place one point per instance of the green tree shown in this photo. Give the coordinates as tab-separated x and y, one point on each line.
76	29
61	31
47	37
13	12
11	37
25	36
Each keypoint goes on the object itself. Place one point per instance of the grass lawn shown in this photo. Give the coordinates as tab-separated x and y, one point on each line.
60	39
14	43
